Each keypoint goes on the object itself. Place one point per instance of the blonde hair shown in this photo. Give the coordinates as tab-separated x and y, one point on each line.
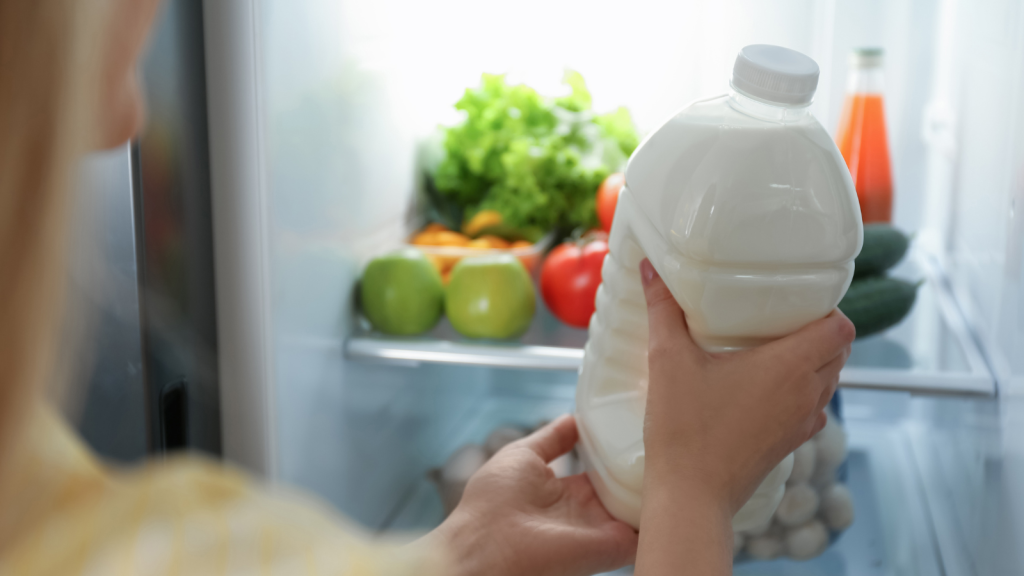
49	67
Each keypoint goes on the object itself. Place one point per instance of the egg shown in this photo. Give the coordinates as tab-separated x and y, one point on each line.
831	447
563	465
799	504
759	530
457	470
806	541
463	463
501	437
738	540
765	547
837	507
830	453
804	459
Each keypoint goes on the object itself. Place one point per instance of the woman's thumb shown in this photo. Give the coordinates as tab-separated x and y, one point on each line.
664	316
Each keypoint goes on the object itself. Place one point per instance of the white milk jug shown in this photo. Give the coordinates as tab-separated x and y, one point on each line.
746	209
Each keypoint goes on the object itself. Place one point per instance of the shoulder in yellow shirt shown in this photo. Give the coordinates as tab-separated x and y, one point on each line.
63	512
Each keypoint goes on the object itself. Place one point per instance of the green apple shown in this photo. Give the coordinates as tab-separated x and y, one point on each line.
402	293
490	297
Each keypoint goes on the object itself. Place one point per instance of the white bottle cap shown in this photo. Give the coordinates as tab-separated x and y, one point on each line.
775	74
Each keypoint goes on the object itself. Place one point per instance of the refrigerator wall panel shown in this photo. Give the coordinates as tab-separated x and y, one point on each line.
971	452
984	239
341	165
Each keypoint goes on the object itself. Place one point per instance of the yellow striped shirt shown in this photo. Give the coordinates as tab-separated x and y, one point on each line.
62	512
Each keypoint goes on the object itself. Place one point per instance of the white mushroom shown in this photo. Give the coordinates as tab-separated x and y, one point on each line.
804	459
738	540
806	541
799	504
501	437
837	507
765	547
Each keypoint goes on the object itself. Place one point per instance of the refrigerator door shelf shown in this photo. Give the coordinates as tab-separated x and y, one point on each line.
891	534
933	350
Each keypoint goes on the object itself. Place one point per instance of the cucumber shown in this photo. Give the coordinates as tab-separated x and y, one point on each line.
884	246
876	303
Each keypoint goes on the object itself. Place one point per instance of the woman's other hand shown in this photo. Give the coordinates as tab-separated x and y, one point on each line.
516	518
717	424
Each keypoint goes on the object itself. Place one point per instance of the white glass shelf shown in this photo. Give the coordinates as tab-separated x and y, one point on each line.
931	352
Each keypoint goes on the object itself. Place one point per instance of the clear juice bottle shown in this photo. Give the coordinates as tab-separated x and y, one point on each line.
862	137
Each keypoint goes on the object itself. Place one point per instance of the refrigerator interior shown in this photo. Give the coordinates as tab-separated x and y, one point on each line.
346	91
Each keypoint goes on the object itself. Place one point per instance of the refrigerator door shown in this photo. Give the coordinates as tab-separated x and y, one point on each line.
106	398
143	272
174	242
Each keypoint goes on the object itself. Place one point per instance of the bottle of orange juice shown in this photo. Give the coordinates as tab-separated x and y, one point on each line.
861	136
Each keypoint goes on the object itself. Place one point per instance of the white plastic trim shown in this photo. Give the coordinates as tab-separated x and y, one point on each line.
240	232
557	358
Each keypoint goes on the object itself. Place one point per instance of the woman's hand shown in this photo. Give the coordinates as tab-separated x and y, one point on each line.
716	424
516	518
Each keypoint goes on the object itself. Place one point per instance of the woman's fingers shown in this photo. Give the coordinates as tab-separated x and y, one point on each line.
819	342
833	366
553	440
829	374
664	316
827	392
819	424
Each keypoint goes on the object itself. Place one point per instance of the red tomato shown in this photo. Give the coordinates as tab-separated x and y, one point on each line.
569	280
608	197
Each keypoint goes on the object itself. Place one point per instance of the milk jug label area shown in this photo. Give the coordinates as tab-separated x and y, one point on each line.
746	208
